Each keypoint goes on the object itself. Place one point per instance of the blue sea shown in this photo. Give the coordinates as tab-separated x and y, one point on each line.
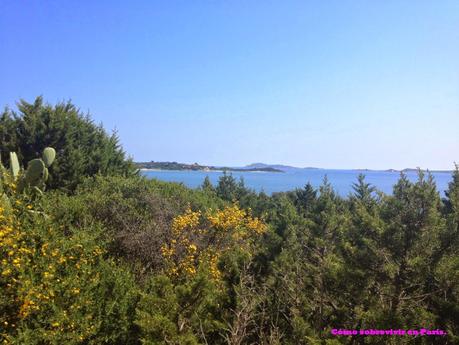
270	182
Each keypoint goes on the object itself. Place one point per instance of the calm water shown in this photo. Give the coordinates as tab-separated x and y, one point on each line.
341	180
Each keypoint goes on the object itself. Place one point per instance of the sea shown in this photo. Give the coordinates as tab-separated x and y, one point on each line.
271	182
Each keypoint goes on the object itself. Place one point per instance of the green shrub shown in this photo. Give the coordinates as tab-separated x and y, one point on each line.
83	148
185	313
136	213
57	286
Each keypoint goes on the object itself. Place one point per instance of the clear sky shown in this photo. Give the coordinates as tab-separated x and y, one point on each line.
333	84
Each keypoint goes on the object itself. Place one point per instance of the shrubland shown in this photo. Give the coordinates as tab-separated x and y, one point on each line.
96	254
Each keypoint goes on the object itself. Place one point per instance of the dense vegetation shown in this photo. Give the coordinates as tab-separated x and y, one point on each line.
83	148
104	256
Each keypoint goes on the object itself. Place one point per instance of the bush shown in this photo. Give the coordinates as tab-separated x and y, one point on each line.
56	287
83	148
136	213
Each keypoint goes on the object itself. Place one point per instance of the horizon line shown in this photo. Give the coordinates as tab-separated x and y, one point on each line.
307	167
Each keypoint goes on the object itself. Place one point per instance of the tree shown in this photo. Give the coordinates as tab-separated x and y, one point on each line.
446	261
227	187
207	185
362	190
83	148
305	198
409	241
451	202
8	138
307	282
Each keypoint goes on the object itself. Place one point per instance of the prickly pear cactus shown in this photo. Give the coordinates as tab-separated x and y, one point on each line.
35	176
48	156
14	164
45	174
35	171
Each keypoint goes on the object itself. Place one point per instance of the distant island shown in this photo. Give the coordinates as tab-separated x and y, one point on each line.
424	170
255	167
287	168
198	167
284	168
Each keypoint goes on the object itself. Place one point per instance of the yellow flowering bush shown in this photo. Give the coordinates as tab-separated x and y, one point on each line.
199	239
53	286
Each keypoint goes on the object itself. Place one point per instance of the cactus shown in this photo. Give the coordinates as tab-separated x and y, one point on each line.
36	175
14	165
45	174
48	156
35	171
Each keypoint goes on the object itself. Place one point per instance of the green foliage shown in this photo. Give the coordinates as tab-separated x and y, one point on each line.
83	148
367	261
305	198
137	213
207	186
35	172
57	287
7	133
362	190
30	182
186	313
103	264
229	189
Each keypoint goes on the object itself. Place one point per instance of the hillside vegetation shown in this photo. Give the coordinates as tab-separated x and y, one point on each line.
92	253
197	167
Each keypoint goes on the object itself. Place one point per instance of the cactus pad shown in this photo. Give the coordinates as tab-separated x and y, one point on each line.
35	171
48	156
14	164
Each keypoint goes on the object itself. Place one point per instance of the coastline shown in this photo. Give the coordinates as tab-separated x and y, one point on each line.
208	171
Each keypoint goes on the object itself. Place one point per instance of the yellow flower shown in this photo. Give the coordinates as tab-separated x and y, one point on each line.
48	275
218	232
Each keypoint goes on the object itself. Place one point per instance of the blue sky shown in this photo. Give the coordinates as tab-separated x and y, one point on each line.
333	84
